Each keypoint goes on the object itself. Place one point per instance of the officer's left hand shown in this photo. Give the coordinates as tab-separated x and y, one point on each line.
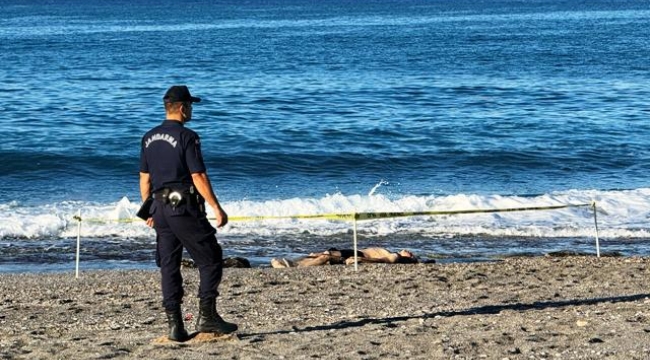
221	216
150	222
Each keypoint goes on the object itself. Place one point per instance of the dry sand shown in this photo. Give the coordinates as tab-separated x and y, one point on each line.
526	308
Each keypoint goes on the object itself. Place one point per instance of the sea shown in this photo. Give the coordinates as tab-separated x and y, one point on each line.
316	107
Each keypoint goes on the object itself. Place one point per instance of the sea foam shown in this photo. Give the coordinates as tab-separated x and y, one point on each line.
620	214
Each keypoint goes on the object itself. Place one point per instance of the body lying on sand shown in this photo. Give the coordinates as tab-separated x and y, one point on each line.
332	256
369	255
346	256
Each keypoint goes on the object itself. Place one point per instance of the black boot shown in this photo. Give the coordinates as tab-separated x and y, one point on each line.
209	320
177	330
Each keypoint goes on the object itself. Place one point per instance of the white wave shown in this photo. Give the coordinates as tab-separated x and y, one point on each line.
621	214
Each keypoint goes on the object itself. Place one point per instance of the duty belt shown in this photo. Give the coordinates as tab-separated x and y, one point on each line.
172	196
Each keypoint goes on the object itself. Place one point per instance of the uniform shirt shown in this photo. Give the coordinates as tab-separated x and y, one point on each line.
170	154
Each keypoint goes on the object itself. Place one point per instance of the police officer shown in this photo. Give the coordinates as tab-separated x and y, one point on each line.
172	172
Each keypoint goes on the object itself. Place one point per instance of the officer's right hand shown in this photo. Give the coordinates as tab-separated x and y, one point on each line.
150	222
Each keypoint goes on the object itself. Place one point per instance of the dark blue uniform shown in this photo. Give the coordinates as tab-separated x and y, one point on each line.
170	154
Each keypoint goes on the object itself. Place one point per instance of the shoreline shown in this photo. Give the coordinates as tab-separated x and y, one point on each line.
574	307
24	268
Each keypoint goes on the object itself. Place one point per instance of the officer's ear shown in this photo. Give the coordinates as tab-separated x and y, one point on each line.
186	110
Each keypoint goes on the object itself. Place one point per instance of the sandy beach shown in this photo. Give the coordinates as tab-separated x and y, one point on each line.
518	308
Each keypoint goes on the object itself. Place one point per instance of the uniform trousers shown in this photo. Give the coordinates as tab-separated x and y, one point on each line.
185	226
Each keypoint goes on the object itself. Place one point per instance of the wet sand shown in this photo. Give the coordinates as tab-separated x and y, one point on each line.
518	308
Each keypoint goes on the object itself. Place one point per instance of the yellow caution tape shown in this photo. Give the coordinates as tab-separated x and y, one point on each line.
364	215
349	216
383	215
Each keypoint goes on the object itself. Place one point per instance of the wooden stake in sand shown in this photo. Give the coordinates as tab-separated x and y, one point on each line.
78	244
593	205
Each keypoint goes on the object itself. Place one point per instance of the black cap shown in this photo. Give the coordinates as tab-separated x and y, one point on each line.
179	93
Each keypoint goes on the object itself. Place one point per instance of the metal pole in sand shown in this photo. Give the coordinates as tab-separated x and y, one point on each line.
593	204
78	244
354	234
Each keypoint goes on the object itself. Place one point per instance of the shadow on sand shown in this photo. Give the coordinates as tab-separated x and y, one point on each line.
479	310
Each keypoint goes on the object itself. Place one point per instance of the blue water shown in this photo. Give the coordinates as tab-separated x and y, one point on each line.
305	100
